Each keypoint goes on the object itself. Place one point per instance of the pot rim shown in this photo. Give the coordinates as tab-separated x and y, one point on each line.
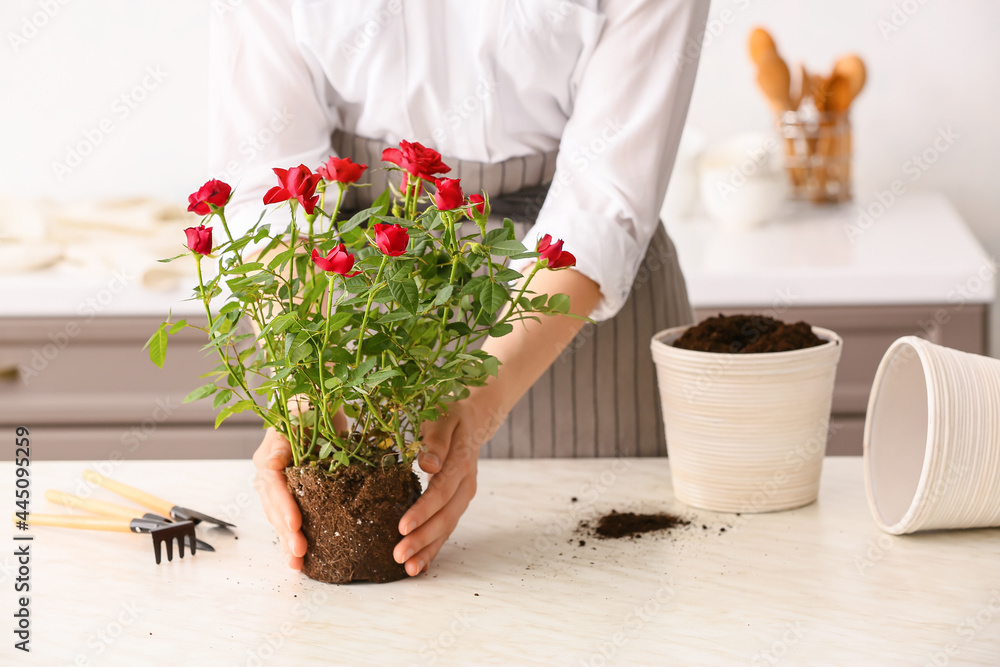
659	344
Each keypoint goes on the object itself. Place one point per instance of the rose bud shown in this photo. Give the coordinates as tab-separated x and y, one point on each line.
213	193
478	206
553	252
416	159
297	183
341	170
449	194
337	260
391	239
199	239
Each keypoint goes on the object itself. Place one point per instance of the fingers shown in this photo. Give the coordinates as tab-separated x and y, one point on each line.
270	459
422	561
436	437
419	547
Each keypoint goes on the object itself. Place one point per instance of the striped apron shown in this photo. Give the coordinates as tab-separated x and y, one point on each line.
599	398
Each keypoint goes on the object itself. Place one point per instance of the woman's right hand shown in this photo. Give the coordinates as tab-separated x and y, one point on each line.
271	459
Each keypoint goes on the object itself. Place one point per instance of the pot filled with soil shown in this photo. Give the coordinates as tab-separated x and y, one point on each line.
746	407
350	519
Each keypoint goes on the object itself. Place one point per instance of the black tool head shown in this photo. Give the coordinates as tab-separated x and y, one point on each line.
166	533
179	513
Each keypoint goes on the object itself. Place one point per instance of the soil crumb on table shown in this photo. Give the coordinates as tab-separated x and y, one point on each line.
629	524
747	334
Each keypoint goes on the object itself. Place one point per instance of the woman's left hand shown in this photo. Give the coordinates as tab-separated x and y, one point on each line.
451	458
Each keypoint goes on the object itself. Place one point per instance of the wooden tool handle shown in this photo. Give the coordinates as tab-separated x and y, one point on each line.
113	523
90	505
158	505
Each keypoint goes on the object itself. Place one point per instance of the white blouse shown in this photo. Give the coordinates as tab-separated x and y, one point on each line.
607	82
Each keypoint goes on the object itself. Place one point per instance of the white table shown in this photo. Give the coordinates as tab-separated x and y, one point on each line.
815	586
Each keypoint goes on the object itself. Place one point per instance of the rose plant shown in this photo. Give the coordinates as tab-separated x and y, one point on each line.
376	317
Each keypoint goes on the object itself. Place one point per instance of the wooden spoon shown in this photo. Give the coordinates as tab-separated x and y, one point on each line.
774	79
761	46
852	69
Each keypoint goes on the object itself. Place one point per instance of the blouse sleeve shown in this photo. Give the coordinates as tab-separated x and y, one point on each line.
269	105
619	144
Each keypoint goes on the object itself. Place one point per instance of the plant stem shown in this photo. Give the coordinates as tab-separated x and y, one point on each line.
368	308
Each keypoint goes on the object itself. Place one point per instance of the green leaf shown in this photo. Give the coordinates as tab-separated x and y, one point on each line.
201	392
378	377
394	316
339	319
221	398
355	220
381	204
500	330
539	300
341	458
170	259
246	268
443	295
300	353
506	275
475	285
325	450
363	368
492	365
508	225
495	235
235	408
405	293
559	303
177	326
507	248
493	296
282	322
157	345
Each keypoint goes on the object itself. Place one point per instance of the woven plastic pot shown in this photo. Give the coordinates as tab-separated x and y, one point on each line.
746	432
932	439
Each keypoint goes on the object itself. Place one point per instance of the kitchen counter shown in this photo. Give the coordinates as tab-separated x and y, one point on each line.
918	250
820	585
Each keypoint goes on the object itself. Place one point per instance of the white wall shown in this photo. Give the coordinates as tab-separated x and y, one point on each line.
940	69
63	71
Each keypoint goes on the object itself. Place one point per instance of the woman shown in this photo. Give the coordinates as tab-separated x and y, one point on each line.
568	114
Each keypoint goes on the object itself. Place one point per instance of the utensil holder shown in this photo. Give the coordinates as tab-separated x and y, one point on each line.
746	432
932	439
817	154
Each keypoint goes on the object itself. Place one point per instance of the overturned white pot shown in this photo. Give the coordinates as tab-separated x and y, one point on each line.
746	432
932	439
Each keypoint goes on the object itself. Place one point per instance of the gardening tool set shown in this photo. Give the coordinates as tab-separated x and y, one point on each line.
166	523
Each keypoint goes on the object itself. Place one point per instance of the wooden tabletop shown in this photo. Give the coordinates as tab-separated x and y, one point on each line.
518	584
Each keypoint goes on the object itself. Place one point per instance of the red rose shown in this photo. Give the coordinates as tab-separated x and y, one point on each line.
199	239
391	239
213	192
341	170
478	205
416	159
295	183
337	260
558	258
449	194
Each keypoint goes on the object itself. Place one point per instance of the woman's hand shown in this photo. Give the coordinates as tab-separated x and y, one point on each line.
451	458
271	459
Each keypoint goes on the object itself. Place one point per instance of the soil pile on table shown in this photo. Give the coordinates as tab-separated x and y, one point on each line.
351	520
629	524
747	334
